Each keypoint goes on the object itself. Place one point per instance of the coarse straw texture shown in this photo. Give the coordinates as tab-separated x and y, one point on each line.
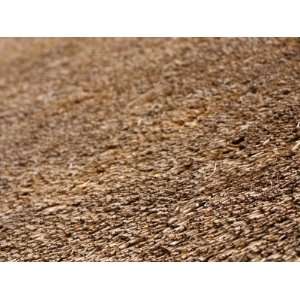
147	149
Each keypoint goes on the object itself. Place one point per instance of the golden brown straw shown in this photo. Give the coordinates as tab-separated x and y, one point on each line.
149	149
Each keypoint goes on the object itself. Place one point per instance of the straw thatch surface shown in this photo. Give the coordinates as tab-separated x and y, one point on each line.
149	149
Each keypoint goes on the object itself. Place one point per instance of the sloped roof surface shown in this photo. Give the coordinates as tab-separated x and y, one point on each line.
149	149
